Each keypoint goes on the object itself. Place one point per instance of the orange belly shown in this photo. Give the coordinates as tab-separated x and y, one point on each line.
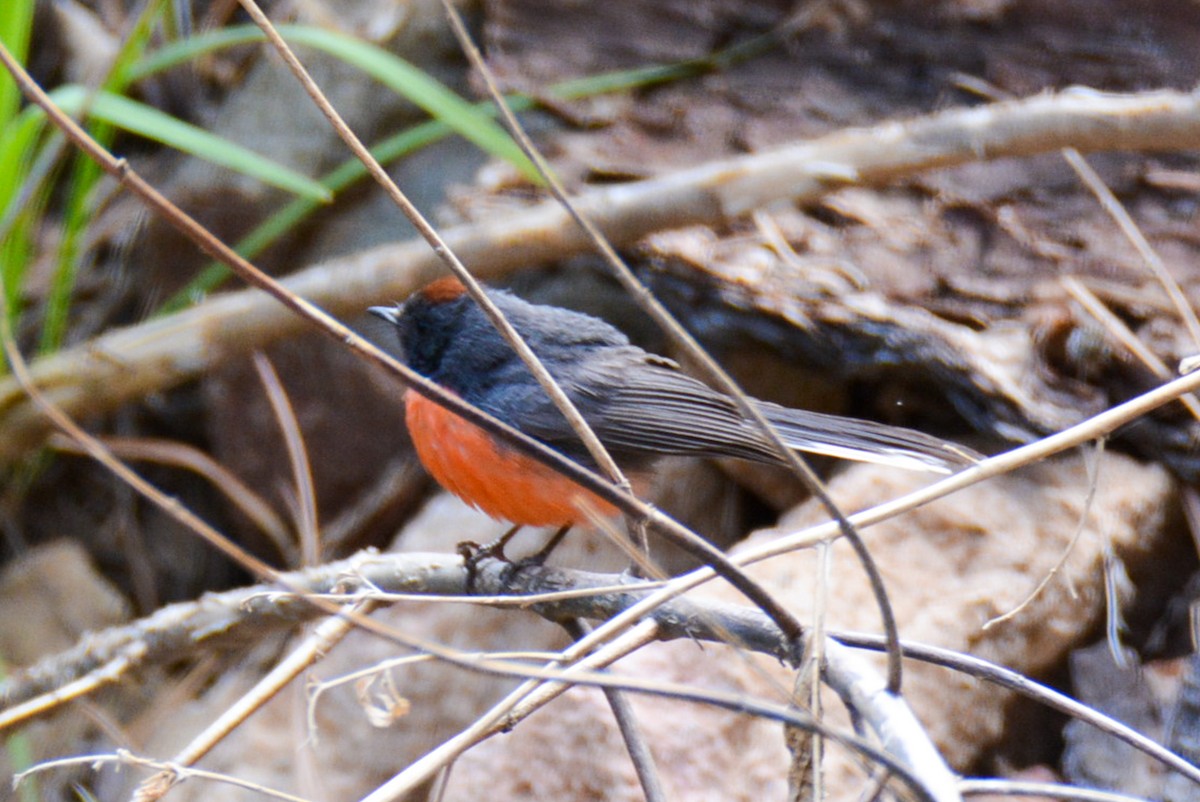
491	477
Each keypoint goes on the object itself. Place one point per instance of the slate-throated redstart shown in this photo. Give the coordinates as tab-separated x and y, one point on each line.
640	405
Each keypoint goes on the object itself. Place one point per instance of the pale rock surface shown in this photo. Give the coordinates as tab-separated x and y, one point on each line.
949	568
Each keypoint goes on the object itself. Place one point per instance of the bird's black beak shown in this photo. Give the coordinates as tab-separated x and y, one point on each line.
389	313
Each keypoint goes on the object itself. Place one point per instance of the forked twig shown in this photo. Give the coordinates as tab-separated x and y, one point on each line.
124	757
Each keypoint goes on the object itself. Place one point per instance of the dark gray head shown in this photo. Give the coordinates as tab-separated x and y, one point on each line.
445	336
428	323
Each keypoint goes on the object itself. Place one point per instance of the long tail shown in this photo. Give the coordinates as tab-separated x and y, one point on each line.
866	441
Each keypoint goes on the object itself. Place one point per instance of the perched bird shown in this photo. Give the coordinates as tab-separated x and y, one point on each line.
640	405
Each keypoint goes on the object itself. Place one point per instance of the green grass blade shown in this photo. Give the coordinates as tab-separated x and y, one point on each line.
16	251
387	151
395	147
419	88
151	123
282	221
18	214
80	185
77	216
186	50
400	76
17	149
16	22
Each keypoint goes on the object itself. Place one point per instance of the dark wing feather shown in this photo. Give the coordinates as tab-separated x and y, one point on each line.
660	409
639	405
651	408
866	441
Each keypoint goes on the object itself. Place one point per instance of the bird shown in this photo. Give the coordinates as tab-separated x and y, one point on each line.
640	405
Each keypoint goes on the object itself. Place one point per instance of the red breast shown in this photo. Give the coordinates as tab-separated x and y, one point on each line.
491	477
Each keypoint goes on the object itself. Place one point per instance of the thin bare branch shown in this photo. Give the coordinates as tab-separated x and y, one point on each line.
182	455
635	740
1071	793
124	757
1089	500
1133	233
1093	428
302	478
1122	333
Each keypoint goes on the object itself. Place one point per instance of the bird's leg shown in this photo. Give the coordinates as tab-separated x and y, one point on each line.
496	547
472	553
541	555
